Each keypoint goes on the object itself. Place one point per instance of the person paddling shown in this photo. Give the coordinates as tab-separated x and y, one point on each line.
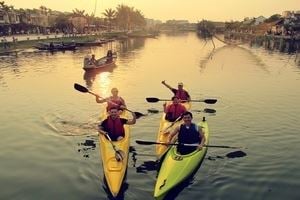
112	101
187	133
181	93
113	125
174	110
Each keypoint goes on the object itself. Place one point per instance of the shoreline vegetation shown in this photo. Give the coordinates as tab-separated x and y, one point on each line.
18	44
23	28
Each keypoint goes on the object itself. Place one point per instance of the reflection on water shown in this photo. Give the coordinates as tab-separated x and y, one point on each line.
71	126
87	146
258	107
90	75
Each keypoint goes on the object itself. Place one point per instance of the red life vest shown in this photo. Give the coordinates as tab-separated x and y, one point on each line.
114	102
115	127
175	111
182	94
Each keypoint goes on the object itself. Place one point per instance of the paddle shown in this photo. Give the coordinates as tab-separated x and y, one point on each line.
119	154
193	145
154	100
206	110
172	124
83	89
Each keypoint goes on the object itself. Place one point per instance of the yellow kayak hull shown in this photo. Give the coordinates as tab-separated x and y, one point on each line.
114	171
164	125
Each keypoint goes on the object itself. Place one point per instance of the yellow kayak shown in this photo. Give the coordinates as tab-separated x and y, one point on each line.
166	126
114	171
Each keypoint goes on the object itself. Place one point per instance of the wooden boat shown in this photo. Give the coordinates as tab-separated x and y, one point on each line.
101	63
56	47
88	44
166	126
175	168
114	171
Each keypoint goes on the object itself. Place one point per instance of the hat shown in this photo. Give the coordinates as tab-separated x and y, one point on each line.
180	83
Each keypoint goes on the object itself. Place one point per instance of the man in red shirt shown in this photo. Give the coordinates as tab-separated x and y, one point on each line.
181	93
174	110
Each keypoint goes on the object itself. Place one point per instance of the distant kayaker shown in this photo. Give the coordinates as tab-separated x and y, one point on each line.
187	133
181	93
114	125
112	101
174	110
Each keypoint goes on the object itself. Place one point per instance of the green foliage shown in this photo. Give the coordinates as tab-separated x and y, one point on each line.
273	18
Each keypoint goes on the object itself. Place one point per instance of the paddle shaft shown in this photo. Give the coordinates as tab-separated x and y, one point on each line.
208	101
85	90
172	124
184	144
117	152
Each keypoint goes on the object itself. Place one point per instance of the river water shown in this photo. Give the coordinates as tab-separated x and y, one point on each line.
49	146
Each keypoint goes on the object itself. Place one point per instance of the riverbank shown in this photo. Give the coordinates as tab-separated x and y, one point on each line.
282	43
14	44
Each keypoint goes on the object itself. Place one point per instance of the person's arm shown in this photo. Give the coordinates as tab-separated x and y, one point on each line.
100	99
123	102
101	127
133	120
188	96
168	86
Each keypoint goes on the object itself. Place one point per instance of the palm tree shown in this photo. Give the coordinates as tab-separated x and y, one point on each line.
78	13
128	17
122	16
110	15
79	20
6	9
138	18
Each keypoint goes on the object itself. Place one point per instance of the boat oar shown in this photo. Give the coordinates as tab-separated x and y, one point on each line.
83	89
154	100
119	154
206	110
172	124
142	142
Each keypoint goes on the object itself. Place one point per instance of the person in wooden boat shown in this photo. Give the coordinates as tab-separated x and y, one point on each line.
51	45
113	101
93	60
109	56
114	124
181	93
187	133
174	110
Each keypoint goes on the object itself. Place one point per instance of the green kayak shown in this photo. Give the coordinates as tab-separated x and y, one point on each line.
176	168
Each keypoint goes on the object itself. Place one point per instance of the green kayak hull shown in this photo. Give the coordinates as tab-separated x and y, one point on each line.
175	168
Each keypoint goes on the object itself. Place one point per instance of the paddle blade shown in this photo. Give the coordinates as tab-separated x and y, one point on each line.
119	154
152	99
210	101
80	88
236	154
138	115
208	110
145	142
153	110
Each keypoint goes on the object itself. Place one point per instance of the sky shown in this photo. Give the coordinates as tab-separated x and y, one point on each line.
191	10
